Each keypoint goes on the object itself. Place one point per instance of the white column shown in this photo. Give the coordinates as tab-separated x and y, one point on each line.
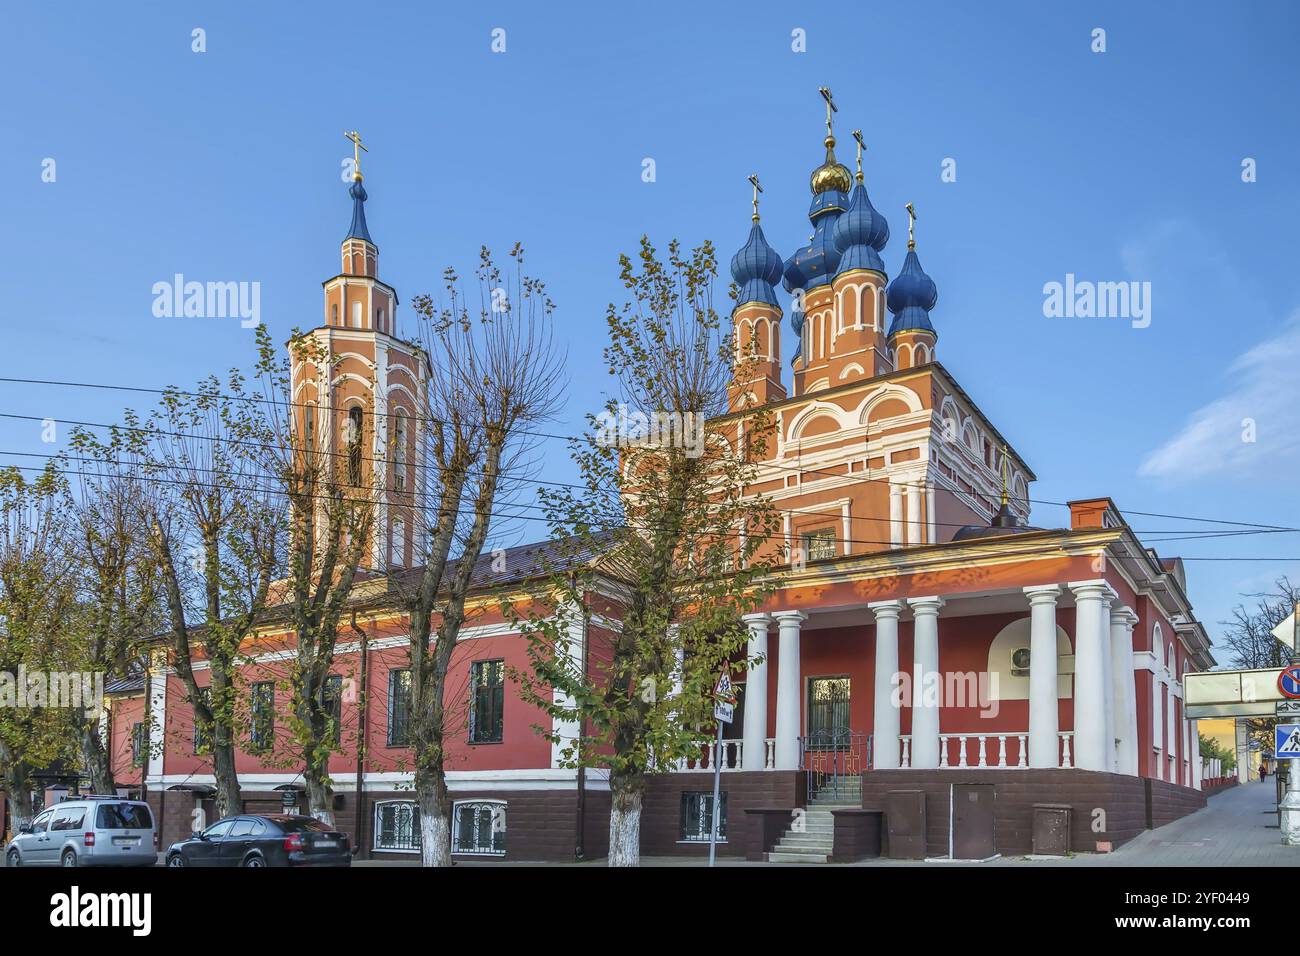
1125	694
913	513
567	730
1044	746
886	716
1171	734
1091	647
789	690
1108	684
755	727
1158	715
925	707
895	515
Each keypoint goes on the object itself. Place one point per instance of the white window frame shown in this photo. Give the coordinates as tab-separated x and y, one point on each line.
374	836
455	829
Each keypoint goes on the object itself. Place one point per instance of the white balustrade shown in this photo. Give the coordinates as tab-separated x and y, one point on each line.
1067	738
985	750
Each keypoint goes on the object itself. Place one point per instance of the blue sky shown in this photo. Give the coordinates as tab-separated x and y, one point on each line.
1122	165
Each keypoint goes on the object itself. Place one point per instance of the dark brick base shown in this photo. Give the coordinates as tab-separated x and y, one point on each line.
1106	806
540	824
661	809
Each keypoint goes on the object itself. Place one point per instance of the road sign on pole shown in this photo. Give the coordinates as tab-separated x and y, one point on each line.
1287	742
1288	682
724	708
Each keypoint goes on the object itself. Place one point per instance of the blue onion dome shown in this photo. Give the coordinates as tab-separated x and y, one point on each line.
911	296
756	268
358	228
815	263
860	233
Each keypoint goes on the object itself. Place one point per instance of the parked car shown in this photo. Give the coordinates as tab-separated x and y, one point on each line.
273	840
87	831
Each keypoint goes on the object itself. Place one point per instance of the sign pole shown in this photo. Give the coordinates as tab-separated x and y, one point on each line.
717	795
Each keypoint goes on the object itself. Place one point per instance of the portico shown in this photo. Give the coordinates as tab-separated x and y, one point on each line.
1065	699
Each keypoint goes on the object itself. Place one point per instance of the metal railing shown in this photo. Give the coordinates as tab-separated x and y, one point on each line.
832	759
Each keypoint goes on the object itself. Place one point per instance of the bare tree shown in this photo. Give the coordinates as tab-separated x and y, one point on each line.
217	529
496	375
331	518
1250	643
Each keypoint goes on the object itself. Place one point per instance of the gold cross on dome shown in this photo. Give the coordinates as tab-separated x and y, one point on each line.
911	226
753	181
857	136
825	91
357	150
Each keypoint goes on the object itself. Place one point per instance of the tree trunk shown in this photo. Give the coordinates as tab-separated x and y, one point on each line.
625	819
18	790
435	818
320	802
229	802
94	756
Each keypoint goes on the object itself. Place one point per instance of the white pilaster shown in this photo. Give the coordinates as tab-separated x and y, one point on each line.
1091	648
1044	685
156	728
789	690
567	730
895	515
1125	693
930	524
755	727
913	513
925	676
885	715
1108	685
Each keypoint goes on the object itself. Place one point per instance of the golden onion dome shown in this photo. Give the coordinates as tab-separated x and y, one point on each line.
831	174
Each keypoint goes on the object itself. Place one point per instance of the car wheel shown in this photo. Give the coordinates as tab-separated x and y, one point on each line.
254	861
13	858
69	858
176	860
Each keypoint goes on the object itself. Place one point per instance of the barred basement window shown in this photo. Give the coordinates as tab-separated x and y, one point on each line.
397	826
399	708
487	701
697	816
479	827
262	710
819	544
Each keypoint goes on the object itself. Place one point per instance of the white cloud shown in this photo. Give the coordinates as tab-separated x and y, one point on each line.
1264	389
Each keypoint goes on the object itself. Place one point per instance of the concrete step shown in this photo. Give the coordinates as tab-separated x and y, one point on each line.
786	856
806	843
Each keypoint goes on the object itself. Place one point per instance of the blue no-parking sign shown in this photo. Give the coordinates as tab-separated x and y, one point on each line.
1288	741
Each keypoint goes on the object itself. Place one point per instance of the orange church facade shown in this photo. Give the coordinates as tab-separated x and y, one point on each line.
925	638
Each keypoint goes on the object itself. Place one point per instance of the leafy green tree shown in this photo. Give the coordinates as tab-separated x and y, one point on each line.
37	608
674	521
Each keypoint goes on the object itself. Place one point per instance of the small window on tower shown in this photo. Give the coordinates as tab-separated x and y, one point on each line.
399	452
356	315
379	319
355	423
334	314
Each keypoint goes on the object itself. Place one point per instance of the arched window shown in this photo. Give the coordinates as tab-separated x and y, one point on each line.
334	313
309	426
356	315
399	452
355	425
379	319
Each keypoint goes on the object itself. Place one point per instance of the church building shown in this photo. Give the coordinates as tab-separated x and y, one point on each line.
933	665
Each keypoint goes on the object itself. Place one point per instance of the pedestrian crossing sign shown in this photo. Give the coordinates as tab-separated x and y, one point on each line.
1288	741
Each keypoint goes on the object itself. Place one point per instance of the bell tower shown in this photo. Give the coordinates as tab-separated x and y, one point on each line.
359	400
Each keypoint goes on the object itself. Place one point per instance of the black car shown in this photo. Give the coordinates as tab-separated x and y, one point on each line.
273	840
